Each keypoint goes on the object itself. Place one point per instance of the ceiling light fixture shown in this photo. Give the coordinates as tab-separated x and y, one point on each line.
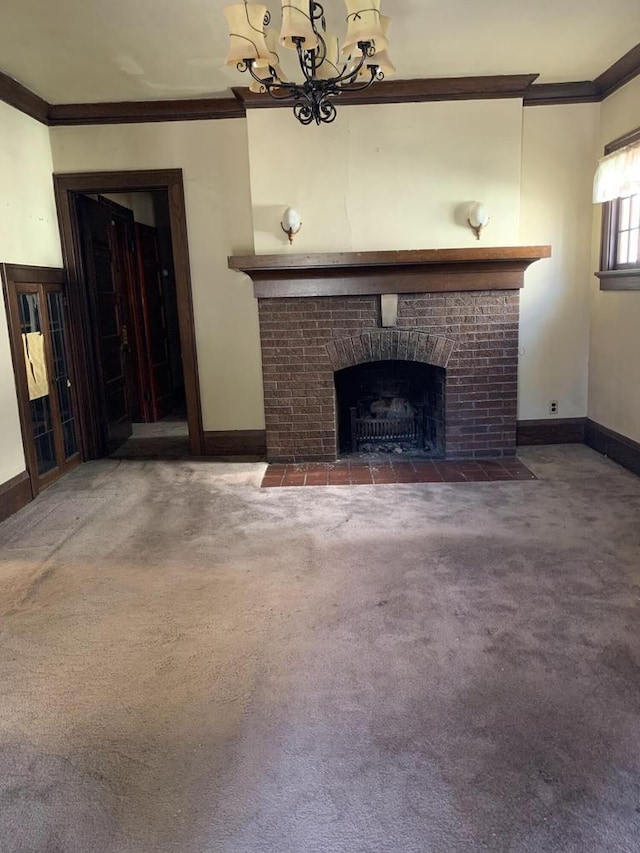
327	68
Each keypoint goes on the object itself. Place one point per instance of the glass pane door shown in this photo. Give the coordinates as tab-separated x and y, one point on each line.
61	377
47	396
38	380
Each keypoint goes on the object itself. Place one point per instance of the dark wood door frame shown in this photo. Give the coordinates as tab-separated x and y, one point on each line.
67	187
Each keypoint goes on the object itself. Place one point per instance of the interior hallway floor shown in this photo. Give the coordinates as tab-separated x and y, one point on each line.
192	664
164	439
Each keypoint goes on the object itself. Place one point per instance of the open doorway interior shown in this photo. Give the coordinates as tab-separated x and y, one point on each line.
127	259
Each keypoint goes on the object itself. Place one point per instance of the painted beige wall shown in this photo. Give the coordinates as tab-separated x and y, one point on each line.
391	189
614	362
406	186
214	159
28	235
557	169
395	176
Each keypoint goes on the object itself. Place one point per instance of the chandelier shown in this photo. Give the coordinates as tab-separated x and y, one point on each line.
327	67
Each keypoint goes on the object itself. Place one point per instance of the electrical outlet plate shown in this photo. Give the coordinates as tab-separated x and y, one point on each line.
553	407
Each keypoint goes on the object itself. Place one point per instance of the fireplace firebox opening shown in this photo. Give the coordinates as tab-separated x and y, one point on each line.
391	407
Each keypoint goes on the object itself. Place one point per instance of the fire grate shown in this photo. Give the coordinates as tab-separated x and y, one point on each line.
372	430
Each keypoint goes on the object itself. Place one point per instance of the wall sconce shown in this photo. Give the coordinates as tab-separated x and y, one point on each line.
478	218
291	223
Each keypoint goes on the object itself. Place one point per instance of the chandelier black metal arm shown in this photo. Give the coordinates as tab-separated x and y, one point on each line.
313	96
325	73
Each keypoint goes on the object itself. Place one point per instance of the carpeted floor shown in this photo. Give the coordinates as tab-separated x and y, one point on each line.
192	664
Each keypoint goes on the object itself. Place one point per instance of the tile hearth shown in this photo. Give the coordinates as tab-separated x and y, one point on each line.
362	473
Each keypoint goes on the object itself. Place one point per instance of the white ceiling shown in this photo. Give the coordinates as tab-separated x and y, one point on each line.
71	51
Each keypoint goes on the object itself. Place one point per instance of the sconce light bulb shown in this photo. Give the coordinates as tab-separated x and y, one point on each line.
478	218
291	223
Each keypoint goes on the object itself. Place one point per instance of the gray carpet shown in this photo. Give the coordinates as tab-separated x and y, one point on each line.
195	665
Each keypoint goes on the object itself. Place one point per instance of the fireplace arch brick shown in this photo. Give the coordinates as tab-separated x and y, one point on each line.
398	344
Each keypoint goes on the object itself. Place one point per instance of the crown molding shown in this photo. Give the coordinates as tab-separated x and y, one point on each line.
23	99
547	94
386	92
621	72
414	91
131	112
587	91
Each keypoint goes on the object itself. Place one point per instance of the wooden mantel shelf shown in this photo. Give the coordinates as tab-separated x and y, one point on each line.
361	273
482	254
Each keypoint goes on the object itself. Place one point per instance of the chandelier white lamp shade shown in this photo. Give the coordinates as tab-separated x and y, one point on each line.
262	67
332	65
246	33
364	25
298	23
326	67
381	56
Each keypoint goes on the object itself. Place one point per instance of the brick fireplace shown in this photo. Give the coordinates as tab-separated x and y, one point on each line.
455	312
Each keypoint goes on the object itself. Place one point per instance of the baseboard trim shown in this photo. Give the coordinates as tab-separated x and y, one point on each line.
14	494
551	431
625	451
240	442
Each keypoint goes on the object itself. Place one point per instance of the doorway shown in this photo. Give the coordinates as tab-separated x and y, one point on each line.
129	276
125	249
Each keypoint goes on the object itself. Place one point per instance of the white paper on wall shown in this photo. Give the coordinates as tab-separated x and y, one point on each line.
34	357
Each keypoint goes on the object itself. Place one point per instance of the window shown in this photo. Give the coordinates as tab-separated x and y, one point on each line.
626	234
617	187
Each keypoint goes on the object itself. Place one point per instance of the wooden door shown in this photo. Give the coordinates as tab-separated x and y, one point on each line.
123	241
106	286
38	324
158	392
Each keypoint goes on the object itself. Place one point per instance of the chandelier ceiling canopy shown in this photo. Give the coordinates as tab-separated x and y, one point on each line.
327	66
